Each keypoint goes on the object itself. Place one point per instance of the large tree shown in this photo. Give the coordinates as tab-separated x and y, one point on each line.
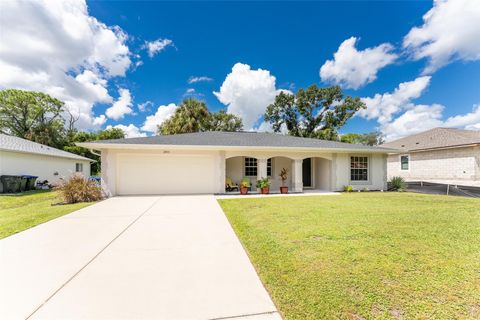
82	136
313	112
193	116
370	139
32	115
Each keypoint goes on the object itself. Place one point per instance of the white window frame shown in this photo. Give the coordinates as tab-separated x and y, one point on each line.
78	166
350	169
249	166
256	166
408	163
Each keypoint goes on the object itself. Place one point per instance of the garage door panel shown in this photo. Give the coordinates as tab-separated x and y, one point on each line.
165	174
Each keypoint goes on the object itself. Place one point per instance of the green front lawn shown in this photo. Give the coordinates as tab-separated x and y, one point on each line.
364	255
23	211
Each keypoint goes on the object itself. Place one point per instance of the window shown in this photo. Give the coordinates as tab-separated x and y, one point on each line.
359	168
269	167
251	167
404	162
78	167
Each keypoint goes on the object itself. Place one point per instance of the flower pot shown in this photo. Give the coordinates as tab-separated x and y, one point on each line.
265	190
283	189
243	190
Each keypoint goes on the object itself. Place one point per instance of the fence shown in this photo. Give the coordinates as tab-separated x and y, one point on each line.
445	189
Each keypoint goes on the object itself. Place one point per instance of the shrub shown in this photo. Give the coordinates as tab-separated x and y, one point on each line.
245	183
397	184
348	188
78	189
263	183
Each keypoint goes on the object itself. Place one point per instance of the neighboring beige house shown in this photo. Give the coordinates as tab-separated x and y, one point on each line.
23	157
437	155
200	163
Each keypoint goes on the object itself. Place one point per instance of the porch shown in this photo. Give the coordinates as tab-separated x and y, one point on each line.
305	173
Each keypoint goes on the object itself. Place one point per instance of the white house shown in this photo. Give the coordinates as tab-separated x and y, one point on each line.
437	155
23	157
200	163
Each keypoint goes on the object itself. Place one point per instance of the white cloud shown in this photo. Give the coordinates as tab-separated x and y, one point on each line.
193	79
384	106
145	106
420	118
122	106
131	131
450	31
469	120
247	93
417	119
154	47
398	116
162	114
267	127
56	47
100	120
354	68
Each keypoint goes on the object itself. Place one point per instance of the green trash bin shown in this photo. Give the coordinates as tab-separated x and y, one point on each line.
11	184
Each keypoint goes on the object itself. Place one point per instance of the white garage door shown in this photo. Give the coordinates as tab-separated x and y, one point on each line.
165	174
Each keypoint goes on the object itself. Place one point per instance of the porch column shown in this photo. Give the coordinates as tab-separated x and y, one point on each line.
261	168
222	167
297	176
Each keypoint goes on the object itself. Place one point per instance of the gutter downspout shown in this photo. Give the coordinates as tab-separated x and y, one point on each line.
94	152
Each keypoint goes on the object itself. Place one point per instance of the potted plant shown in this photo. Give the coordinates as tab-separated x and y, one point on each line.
244	186
283	175
264	185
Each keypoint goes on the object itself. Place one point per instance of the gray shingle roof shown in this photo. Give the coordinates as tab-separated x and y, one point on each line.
239	139
16	144
436	138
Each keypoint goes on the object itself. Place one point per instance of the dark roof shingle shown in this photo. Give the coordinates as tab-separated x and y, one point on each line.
16	144
238	139
436	138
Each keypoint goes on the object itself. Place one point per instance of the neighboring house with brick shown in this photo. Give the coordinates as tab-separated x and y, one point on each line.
437	155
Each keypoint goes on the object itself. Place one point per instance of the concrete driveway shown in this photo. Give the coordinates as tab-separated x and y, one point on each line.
159	257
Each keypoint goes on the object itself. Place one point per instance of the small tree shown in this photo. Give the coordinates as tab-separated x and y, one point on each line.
283	175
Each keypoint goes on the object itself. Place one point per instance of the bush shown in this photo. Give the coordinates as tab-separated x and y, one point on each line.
348	188
78	189
263	183
245	183
397	184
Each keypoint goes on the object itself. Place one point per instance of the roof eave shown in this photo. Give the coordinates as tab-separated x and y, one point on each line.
100	146
80	158
440	148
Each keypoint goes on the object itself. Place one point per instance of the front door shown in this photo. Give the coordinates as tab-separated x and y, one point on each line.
307	172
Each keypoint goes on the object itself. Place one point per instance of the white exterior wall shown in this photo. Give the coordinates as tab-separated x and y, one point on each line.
377	172
329	171
322	169
45	167
450	164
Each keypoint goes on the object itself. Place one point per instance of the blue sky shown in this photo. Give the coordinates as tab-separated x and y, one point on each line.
289	41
